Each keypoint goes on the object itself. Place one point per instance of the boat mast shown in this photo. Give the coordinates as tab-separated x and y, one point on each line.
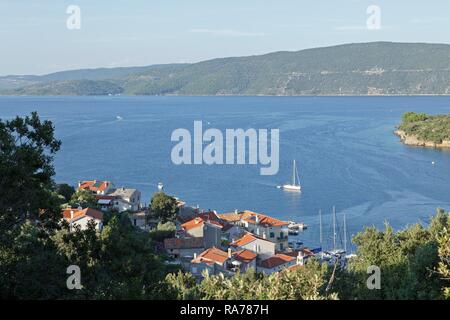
320	228
293	174
334	228
345	234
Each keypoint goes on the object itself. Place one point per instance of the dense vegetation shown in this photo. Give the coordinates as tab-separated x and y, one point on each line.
306	283
352	69
72	88
426	127
122	261
414	264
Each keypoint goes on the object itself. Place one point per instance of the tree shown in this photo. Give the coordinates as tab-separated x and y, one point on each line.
408	260
183	285
409	117
83	198
31	267
65	190
163	231
117	263
27	147
164	207
444	256
381	249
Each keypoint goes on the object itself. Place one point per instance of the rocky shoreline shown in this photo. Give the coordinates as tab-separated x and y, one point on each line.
414	141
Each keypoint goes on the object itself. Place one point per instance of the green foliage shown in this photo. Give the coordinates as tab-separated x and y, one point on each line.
65	190
71	88
305	283
408	260
426	127
163	231
409	117
183	286
118	263
163	207
83	198
27	146
31	268
444	258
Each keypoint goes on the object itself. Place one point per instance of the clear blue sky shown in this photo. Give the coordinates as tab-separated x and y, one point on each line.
34	38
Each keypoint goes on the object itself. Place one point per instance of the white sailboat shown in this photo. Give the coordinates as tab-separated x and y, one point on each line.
295	186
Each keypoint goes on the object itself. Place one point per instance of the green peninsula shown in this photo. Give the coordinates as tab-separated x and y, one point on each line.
421	129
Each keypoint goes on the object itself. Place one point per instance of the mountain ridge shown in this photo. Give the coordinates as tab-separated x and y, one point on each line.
374	68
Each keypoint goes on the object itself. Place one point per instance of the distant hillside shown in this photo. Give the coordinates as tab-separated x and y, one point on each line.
376	68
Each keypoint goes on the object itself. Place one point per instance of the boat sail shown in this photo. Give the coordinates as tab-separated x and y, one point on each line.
295	186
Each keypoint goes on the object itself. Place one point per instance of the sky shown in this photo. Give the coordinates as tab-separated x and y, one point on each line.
35	39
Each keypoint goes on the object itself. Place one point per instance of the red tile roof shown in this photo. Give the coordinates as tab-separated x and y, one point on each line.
212	255
230	217
209	217
275	261
264	220
78	214
244	255
294	267
246	239
94	185
192	224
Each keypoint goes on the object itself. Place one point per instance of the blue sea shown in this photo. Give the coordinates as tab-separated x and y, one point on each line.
347	154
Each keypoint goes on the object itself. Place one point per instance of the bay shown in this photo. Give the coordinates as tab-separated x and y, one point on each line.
345	148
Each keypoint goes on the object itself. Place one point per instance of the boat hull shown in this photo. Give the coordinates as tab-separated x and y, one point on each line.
292	187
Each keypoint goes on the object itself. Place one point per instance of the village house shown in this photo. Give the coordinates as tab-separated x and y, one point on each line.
231	217
96	187
267	227
276	263
183	250
243	260
301	255
109	198
105	203
194	227
213	229
262	247
81	217
125	199
139	219
214	260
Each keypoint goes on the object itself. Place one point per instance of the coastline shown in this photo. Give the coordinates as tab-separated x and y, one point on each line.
236	95
411	140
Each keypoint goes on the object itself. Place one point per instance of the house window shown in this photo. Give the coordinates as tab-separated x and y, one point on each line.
272	235
281	246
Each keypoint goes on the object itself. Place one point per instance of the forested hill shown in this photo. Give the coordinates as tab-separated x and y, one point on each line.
377	68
